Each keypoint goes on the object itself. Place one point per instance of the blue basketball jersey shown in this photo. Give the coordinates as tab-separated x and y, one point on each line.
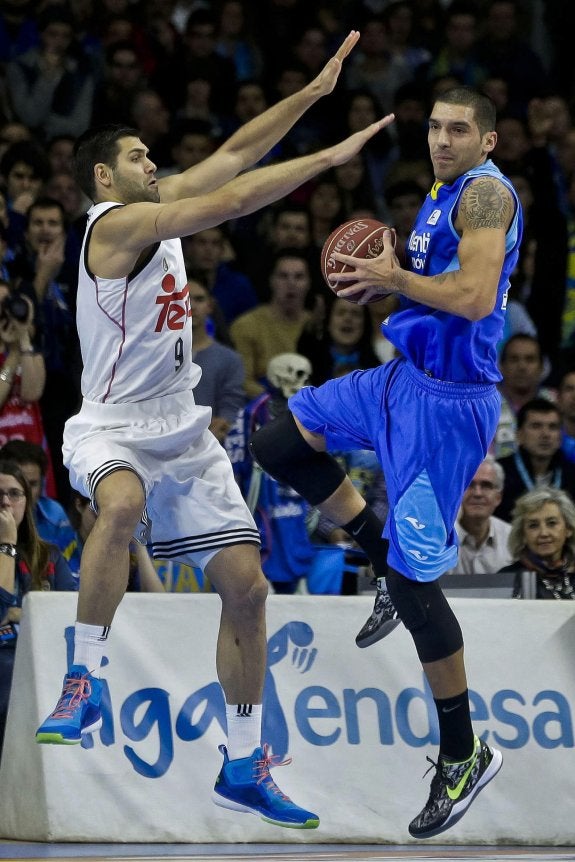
439	343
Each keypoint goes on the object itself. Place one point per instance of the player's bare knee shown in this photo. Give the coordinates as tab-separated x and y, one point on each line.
245	598
236	574
120	504
120	517
258	591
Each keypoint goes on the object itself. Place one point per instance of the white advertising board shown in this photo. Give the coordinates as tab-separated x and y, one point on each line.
357	723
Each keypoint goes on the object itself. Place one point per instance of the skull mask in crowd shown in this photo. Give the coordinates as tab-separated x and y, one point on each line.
288	372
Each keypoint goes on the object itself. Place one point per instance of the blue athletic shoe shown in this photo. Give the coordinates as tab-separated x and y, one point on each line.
246	785
77	712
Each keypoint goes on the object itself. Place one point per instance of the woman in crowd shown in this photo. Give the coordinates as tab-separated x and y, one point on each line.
26	563
341	344
542	541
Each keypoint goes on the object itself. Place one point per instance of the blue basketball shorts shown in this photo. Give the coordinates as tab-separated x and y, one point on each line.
429	437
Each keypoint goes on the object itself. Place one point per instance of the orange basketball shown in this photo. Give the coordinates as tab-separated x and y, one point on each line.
359	237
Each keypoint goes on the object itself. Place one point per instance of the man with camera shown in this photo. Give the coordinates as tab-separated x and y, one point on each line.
22	372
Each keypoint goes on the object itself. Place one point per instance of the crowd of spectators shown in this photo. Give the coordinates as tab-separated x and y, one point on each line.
186	74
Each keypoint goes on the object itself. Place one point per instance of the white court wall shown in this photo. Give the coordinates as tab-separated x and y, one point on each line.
358	724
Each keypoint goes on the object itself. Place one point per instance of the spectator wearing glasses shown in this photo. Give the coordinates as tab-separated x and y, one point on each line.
482	537
26	563
50	517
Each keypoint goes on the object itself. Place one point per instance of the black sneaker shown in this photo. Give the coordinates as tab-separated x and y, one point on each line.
384	618
453	788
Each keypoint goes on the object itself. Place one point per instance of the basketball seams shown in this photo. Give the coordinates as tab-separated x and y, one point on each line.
370	231
365	241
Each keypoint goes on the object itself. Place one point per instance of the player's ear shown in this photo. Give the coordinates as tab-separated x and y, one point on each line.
102	174
489	141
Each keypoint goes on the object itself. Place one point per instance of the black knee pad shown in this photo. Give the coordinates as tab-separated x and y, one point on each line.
281	451
426	613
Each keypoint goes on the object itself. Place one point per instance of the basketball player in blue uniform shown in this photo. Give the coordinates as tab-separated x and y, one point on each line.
430	417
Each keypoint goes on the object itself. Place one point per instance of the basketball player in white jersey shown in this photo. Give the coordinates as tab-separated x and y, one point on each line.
140	448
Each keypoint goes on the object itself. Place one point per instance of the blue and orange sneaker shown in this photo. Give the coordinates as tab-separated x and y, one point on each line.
246	785
77	712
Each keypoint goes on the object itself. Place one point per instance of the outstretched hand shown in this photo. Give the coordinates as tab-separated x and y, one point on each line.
327	78
377	276
346	149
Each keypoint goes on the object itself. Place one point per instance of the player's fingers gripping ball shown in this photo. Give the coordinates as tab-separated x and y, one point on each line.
359	237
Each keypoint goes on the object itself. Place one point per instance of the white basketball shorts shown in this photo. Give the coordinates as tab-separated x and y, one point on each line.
193	503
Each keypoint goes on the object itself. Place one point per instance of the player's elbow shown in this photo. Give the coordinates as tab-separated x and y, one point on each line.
480	304
234	201
478	311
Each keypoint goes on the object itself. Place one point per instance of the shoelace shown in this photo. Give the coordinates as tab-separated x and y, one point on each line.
75	691
434	765
262	770
441	771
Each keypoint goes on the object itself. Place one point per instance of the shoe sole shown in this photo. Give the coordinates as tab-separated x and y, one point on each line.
224	802
48	737
378	635
461	807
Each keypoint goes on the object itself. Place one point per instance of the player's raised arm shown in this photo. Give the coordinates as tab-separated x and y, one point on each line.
119	237
253	140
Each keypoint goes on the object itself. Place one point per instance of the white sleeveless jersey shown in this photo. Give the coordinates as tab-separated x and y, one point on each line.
135	332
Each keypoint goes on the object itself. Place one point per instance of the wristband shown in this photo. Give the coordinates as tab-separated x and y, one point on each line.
8	549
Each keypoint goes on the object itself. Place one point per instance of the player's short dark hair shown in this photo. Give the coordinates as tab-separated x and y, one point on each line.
484	110
98	144
536	405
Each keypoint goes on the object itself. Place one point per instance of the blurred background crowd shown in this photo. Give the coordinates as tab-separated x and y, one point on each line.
186	74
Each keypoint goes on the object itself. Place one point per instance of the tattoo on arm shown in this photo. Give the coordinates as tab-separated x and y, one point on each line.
487	203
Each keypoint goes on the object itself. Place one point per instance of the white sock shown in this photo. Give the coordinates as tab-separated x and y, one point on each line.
244	729
89	646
